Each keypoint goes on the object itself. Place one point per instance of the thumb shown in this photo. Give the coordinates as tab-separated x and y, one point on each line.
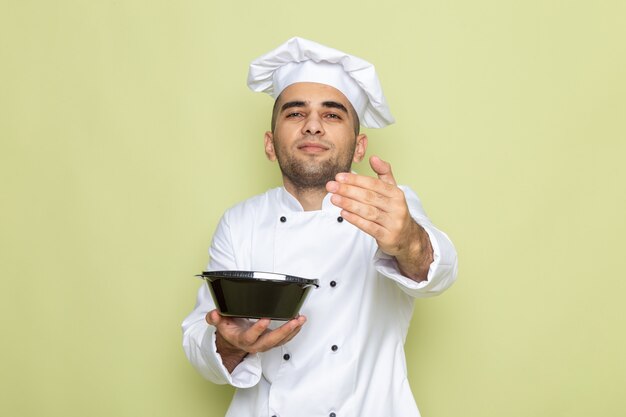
382	169
213	317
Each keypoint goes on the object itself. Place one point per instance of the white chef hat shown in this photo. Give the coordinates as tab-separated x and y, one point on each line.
301	60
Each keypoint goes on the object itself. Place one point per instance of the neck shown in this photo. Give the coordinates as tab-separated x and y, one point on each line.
309	198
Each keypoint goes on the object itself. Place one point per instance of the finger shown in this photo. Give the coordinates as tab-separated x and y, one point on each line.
290	336
365	182
373	229
382	169
289	330
252	334
344	194
280	335
213	317
364	210
226	324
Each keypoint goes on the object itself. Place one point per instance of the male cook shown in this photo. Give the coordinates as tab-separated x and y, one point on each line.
366	239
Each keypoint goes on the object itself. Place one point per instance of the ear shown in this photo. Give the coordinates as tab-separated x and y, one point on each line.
269	146
361	147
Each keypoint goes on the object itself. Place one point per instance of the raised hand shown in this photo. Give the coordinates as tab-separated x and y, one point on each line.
378	207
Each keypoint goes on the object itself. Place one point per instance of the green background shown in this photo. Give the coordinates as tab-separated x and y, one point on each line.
127	129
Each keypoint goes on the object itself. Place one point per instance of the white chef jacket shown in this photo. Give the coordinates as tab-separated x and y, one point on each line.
348	360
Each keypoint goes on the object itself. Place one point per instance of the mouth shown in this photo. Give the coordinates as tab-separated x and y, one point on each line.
312	147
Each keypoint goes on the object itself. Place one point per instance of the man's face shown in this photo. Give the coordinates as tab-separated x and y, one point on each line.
314	136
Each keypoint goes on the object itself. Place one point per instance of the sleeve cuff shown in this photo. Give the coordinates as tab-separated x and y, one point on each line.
247	374
442	271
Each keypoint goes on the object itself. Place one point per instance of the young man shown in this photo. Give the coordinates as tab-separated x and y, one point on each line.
366	239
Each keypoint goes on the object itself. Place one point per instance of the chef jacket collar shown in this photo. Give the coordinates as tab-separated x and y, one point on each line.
289	202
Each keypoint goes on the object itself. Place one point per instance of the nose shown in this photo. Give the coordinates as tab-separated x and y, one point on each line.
312	125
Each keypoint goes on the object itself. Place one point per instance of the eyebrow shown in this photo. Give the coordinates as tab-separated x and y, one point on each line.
335	105
300	103
291	104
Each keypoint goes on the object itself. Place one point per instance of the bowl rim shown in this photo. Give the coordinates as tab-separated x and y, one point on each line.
256	275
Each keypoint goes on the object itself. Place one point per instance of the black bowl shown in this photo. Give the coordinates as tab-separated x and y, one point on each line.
257	294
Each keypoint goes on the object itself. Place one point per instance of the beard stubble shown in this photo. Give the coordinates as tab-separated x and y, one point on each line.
308	173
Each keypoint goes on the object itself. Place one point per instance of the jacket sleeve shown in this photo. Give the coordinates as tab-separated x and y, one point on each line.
199	336
443	269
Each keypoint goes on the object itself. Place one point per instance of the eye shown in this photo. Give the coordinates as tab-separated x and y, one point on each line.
294	114
333	116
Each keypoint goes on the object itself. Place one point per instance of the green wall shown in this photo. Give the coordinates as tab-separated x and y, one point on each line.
126	128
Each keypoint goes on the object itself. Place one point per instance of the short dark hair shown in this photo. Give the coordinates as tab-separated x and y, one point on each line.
355	116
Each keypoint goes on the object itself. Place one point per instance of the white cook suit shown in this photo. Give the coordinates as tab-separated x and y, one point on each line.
348	360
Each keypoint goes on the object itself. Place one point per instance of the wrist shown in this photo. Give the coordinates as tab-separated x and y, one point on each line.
415	261
231	355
